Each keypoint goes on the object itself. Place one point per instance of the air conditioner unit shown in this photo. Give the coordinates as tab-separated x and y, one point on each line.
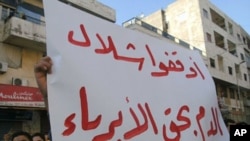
19	81
3	67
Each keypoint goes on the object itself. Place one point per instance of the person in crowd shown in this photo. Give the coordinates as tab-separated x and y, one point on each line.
47	136
241	123
6	137
38	137
21	136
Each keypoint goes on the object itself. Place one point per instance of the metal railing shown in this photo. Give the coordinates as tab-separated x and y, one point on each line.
25	17
147	26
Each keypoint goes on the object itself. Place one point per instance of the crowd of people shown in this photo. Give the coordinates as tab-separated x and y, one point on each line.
41	70
25	136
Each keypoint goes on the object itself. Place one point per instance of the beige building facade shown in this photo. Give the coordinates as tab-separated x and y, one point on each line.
223	44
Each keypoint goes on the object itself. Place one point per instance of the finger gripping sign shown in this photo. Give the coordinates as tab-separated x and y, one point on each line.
111	83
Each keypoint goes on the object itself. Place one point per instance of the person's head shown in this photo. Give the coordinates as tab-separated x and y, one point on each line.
241	123
21	136
6	137
38	137
47	136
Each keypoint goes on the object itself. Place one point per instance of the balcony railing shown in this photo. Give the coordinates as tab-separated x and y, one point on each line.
223	106
247	102
25	32
147	26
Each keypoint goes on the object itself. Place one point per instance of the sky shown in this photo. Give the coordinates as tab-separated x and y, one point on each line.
237	10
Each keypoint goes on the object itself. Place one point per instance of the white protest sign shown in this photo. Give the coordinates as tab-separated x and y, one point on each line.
111	83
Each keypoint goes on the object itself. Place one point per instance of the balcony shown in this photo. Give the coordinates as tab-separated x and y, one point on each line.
223	106
25	33
247	102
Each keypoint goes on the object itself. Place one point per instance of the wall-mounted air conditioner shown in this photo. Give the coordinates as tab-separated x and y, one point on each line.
3	67
19	81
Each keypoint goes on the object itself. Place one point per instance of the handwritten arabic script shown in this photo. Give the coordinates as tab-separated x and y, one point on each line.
145	111
141	127
165	69
118	84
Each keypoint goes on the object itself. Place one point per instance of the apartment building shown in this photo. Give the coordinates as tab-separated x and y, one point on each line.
223	44
22	44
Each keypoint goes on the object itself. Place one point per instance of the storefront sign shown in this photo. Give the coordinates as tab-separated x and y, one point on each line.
20	96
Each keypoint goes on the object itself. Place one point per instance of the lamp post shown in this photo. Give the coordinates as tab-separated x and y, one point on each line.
238	87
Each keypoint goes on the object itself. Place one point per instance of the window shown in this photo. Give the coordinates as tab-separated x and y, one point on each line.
218	19
220	63
245	77
231	91
232	48
223	91
212	63
242	56
230	70
237	95
6	12
244	40
238	71
230	28
224	95
238	35
209	38
219	40
205	13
